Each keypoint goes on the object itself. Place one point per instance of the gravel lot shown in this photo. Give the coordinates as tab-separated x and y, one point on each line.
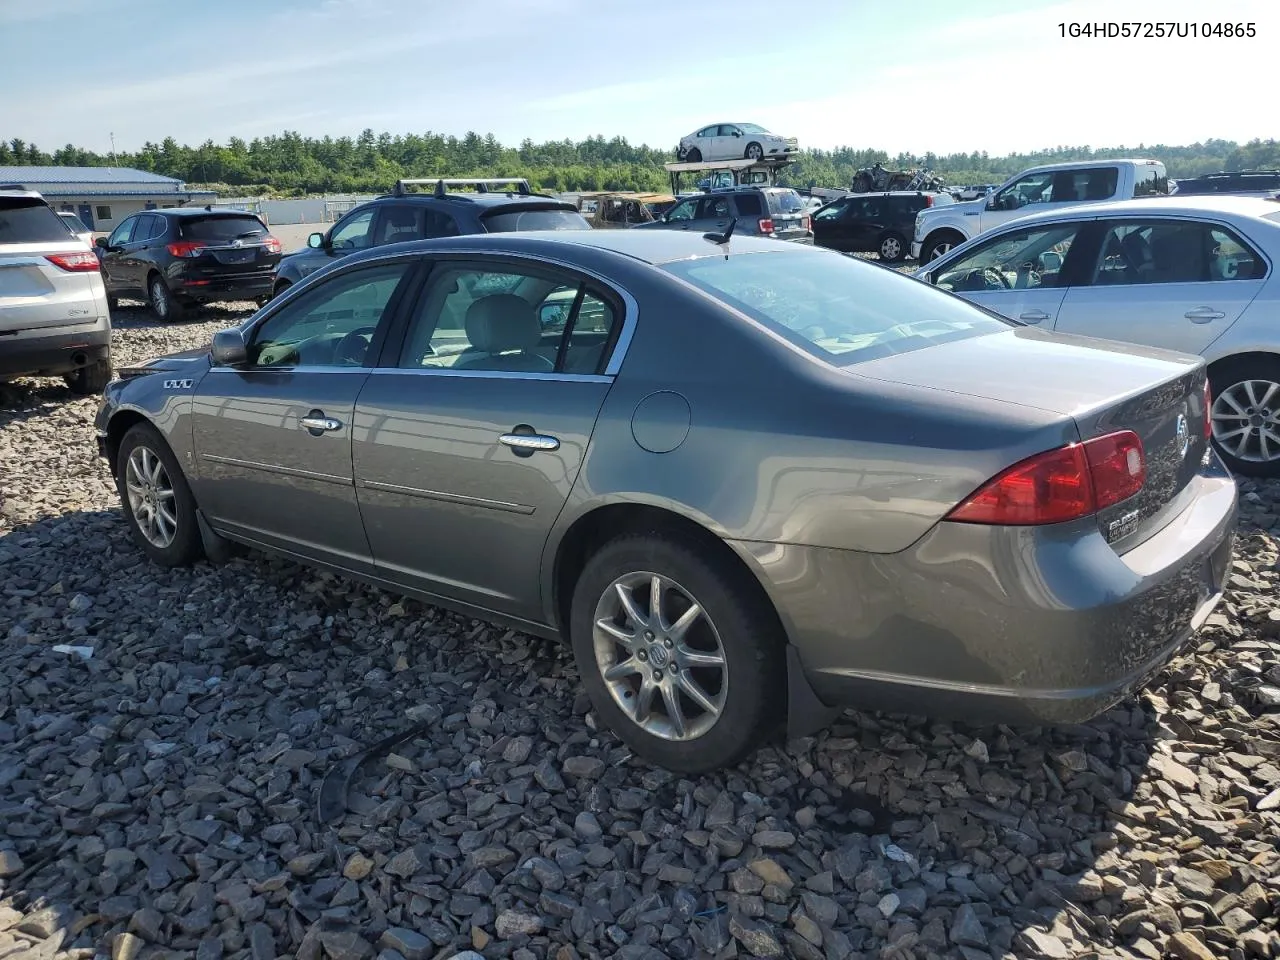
159	798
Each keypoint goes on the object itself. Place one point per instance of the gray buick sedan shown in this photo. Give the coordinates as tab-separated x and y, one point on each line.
749	482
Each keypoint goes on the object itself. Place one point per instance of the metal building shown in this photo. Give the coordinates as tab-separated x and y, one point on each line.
103	196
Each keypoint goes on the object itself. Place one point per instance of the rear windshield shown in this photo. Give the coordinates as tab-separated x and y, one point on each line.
29	220
838	308
785	201
220	228
510	221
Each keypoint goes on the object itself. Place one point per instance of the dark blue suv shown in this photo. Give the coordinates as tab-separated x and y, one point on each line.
406	215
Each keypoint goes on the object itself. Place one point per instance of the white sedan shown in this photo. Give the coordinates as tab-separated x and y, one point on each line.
1197	275
734	141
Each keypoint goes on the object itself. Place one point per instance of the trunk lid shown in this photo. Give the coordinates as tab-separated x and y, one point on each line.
787	211
1103	386
34	291
232	245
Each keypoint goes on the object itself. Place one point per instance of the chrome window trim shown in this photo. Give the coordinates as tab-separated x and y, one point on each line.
495	374
630	310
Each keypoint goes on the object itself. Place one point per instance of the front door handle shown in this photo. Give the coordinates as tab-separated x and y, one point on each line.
1033	316
317	423
529	441
1204	314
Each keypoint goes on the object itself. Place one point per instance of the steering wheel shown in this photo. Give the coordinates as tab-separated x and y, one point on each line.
351	349
1000	278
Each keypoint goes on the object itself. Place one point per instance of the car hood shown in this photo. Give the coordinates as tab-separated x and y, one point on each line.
184	361
959	208
1055	372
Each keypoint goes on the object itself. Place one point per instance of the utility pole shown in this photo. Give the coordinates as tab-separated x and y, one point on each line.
113	148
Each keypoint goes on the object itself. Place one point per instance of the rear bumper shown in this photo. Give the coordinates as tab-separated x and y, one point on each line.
55	354
1011	625
216	288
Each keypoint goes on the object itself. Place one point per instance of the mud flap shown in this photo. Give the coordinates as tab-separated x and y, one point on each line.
806	713
217	549
331	798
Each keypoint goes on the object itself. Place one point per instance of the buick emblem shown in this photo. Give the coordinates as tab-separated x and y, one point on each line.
1183	435
237	243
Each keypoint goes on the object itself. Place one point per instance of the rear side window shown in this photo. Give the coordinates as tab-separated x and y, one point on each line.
1150	180
220	228
785	201
507	220
837	308
749	204
29	220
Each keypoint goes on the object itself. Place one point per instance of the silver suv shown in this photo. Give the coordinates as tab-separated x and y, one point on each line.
53	305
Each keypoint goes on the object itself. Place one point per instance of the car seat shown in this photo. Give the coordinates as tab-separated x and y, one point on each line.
505	333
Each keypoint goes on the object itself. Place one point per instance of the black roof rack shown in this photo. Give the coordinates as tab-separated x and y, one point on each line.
12	186
482	184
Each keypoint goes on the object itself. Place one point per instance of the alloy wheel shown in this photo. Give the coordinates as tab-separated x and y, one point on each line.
890	248
160	298
660	656
754	152
941	250
1246	420
151	497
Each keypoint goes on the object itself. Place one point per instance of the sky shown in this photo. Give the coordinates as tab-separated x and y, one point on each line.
964	75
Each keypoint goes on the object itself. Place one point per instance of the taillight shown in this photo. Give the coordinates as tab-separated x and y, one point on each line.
1059	485
928	201
1208	411
766	225
804	224
186	248
74	262
272	244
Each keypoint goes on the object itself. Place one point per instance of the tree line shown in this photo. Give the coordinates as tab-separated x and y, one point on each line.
293	165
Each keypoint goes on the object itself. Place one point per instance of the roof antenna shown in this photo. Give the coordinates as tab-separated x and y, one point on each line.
722	239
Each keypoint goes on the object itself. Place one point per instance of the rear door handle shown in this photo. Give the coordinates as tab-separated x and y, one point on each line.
1033	316
317	422
1204	314
529	441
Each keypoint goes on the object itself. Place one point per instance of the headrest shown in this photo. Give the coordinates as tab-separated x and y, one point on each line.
502	322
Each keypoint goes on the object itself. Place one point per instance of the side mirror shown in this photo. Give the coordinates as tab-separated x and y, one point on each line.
315	241
101	243
229	349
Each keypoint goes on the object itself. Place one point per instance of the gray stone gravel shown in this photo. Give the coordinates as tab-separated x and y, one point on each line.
158	798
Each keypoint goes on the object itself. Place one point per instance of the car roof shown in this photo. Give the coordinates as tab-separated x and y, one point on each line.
655	247
1195	205
201	212
1085	164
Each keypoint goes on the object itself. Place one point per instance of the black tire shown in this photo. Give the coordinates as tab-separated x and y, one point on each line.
113	302
938	244
892	247
281	287
1234	377
753	152
693	156
166	307
89	380
185	548
752	697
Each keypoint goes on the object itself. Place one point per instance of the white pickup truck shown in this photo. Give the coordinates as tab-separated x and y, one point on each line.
1054	185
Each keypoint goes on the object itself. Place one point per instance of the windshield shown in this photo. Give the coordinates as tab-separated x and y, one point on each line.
221	228
29	220
751	128
510	221
837	308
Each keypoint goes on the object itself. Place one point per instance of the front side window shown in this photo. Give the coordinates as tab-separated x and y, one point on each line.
1015	260
353	233
331	325
1031	189
508	319
1151	180
1173	251
121	234
706	132
684	210
835	307
832	211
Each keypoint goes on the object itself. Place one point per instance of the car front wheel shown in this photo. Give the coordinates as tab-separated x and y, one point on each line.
163	304
893	247
1246	415
693	156
680	657
158	505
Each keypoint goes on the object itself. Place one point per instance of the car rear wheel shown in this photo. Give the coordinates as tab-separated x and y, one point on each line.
158	505
113	302
163	303
694	155
281	287
89	380
892	247
1246	415
680	657
754	151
